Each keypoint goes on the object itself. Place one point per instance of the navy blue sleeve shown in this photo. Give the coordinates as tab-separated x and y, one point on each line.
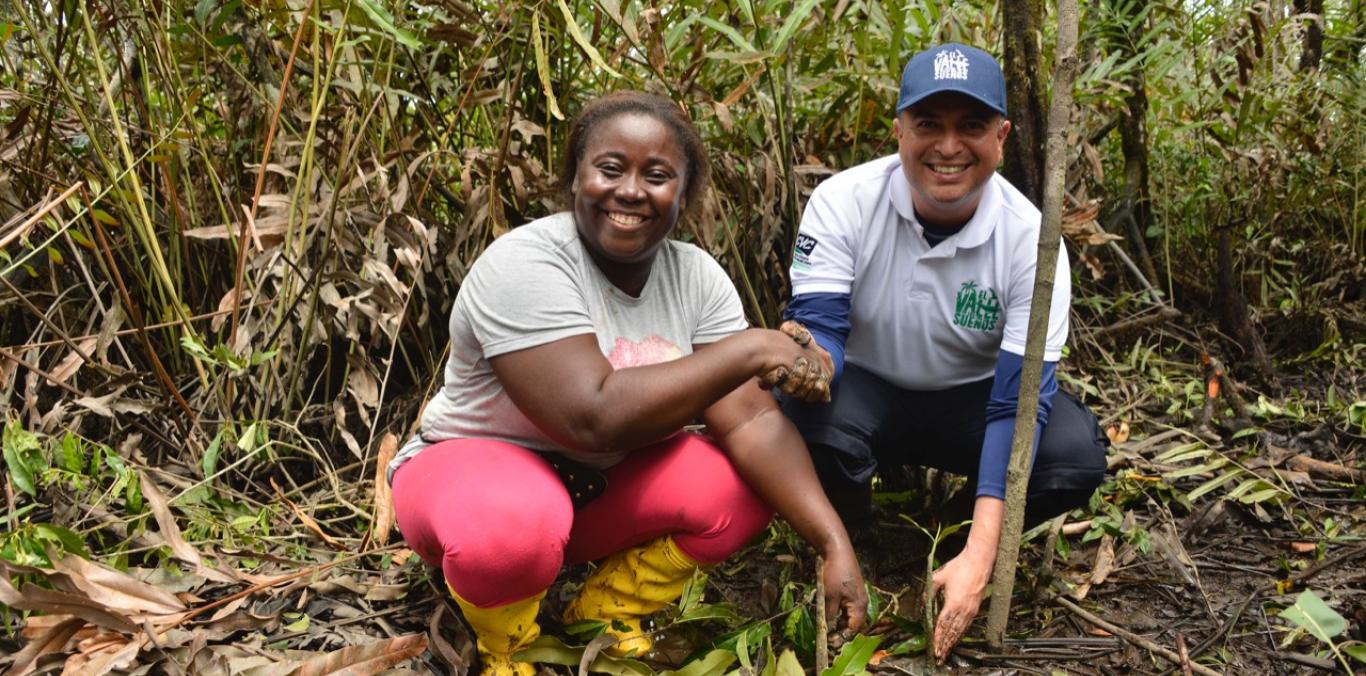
826	316
1005	396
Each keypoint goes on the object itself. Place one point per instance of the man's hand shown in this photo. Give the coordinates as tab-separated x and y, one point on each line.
962	581
844	591
803	337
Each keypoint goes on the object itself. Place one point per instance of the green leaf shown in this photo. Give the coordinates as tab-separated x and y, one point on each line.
1214	483
793	22
133	493
1356	650
210	461
874	602
247	440
724	612
115	463
21	446
66	538
550	650
692	591
385	21
203	9
714	664
73	454
800	630
1311	613
789	666
20	472
1210	466
854	656
751	634
1195	449
731	34
196	349
770	660
913	645
742	651
300	624
586	629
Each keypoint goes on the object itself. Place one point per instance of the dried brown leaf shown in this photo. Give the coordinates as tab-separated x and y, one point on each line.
33	597
268	229
1118	434
53	640
307	520
384	497
1105	560
115	589
170	532
458	662
73	361
112	403
363	660
102	655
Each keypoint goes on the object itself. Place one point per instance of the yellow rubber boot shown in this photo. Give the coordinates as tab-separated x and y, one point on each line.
628	586
502	631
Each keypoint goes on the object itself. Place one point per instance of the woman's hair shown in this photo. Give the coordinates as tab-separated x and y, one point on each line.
610	106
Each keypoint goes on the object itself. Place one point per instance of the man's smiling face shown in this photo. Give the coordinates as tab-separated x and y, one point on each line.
950	145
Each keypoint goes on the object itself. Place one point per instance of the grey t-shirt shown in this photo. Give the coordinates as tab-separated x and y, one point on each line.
537	284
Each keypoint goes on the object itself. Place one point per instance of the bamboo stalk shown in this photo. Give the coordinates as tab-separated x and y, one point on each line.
1050	234
261	172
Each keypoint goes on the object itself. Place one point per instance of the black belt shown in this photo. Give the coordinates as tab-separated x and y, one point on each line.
584	482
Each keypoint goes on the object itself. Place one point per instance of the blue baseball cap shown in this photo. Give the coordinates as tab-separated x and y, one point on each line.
952	67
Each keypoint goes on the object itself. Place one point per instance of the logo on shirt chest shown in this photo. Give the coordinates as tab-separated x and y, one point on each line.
976	308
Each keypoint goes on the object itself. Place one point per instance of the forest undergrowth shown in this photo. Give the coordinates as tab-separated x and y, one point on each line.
230	235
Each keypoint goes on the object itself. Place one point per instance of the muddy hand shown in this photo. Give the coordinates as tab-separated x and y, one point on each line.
775	377
804	379
820	388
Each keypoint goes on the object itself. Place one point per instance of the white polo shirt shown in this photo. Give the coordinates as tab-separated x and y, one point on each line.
926	318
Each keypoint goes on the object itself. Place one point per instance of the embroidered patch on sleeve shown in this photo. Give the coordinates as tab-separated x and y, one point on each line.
801	253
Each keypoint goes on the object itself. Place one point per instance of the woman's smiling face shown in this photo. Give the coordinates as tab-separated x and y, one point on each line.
628	191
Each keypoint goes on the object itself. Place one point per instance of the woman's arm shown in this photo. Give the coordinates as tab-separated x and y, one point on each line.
573	394
770	455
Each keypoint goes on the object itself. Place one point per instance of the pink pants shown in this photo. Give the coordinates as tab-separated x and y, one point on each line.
499	522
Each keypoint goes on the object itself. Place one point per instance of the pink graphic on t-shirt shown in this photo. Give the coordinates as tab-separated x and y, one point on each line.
652	350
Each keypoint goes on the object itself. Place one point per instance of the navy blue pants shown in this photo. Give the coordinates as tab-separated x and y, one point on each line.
871	423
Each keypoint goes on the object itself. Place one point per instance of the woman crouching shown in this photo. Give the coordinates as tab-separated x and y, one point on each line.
581	344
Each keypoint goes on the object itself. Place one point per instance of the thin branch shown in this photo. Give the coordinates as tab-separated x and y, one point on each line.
1140	641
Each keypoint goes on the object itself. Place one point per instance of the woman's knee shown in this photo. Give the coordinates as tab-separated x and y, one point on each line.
725	513
493	516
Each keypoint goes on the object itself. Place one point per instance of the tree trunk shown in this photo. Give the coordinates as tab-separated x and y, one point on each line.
1312	52
1024	146
1231	306
1133	135
1026	412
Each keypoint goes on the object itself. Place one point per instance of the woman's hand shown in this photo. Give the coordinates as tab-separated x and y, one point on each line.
844	591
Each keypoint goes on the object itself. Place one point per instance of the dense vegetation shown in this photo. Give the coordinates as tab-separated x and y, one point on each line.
232	233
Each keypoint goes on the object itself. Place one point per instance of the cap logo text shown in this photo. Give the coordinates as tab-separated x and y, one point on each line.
950	65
